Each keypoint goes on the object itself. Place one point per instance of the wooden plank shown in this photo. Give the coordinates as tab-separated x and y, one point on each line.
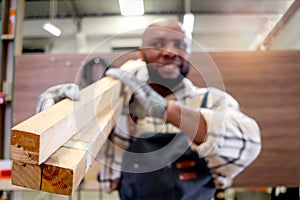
63	171
26	175
35	139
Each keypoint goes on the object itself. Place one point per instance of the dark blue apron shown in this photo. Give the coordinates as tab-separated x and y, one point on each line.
154	171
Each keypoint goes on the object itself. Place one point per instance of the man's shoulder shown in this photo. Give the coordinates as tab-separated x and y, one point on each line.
192	89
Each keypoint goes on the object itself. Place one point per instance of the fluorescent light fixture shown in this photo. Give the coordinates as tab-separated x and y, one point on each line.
188	22
54	30
131	7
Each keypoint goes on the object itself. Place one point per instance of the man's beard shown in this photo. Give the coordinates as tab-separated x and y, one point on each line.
169	84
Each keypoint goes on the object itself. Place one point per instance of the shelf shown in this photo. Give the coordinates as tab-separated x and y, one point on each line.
6	73
3	100
7	37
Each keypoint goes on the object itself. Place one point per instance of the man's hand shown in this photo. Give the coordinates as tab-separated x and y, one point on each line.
56	93
150	103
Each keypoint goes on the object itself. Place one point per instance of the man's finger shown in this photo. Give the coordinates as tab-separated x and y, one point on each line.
125	77
72	91
43	104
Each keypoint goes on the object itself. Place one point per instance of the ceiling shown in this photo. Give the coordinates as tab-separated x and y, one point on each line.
36	9
219	24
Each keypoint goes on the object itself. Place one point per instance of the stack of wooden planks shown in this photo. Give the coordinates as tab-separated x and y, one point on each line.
54	149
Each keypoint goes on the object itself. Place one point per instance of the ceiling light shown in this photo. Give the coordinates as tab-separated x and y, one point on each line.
48	26
131	7
188	23
54	30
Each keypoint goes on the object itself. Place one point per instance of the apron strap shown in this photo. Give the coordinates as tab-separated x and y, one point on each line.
204	101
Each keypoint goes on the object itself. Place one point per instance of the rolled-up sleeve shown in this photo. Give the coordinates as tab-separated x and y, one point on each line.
233	139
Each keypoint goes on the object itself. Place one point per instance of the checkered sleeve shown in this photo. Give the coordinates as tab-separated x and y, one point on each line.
111	155
233	138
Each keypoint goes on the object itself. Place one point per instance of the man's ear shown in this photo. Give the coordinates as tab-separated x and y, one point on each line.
142	54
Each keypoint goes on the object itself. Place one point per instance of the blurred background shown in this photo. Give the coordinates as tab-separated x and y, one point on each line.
256	45
217	25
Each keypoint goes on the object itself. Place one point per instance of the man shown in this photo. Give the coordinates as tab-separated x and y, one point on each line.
187	141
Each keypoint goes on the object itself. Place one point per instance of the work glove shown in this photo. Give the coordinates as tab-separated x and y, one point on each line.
55	94
147	102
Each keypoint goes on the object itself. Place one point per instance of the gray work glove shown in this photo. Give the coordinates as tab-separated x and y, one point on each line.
147	102
56	93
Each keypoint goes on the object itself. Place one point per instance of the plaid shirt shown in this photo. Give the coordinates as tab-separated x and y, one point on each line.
232	141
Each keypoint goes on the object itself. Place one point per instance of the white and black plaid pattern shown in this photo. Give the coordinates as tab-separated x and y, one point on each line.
232	143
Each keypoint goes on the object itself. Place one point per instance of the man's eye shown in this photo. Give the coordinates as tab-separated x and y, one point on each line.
157	44
181	45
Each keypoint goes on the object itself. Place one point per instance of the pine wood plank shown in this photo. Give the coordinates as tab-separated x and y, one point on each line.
35	139
26	175
64	170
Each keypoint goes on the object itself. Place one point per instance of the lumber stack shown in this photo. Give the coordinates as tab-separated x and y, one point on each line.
53	150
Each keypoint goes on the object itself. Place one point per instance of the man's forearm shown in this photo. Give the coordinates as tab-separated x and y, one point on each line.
189	121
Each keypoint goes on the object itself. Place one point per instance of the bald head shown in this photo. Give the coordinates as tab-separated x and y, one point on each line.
169	24
164	24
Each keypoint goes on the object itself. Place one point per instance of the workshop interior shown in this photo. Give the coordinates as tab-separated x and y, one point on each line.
248	48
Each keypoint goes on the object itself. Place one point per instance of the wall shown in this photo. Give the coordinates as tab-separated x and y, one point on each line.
266	84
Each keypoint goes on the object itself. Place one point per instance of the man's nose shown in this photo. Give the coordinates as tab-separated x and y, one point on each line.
170	51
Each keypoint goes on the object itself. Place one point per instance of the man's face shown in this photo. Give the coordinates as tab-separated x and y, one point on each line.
165	51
